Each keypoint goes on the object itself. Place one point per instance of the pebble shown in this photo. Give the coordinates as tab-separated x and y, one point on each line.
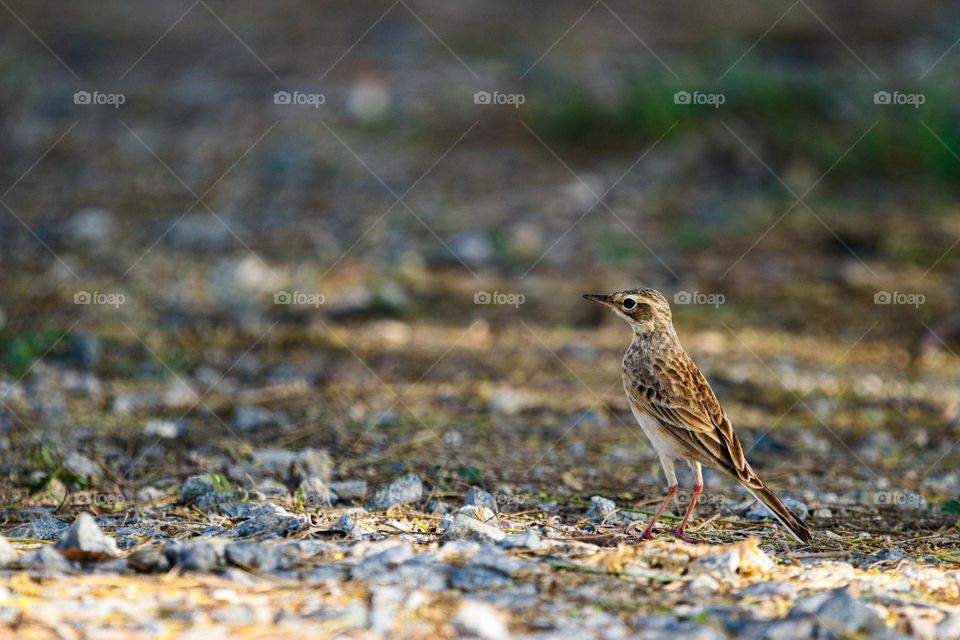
82	466
83	350
344	524
252	555
667	627
478	497
166	429
839	611
45	560
349	489
465	528
480	620
251	418
294	466
196	486
526	539
600	509
822	513
151	559
270	521
379	563
41	527
316	493
408	488
202	555
85	540
508	401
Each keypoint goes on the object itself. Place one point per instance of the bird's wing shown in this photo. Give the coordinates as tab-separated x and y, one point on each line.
688	410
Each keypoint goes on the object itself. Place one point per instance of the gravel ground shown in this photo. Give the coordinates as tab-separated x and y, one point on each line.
271	368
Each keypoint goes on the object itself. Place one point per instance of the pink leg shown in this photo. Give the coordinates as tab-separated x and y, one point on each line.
680	535
648	531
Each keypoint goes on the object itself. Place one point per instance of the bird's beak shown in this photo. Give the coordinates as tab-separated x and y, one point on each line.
598	297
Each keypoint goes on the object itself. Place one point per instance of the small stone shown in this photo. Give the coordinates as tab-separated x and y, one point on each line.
526	539
473	578
822	513
480	620
83	350
196	486
600	509
42	527
839	611
196	555
165	429
252	555
294	466
508	401
84	540
131	402
349	489
438	507
91	226
466	528
8	554
760	511
47	560
316	493
250	418
149	560
325	572
381	562
149	494
408	488
82	466
472	248
478	497
271	521
665	626
344	524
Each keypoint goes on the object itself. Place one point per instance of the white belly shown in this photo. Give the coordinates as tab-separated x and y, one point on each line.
663	443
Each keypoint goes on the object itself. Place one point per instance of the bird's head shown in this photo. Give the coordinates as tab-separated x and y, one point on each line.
643	309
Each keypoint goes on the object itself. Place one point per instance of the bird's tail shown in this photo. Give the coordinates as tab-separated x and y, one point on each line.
787	518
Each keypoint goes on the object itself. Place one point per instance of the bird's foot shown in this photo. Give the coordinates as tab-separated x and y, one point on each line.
680	535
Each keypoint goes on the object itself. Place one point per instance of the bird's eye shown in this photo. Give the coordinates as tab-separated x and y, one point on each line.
629	303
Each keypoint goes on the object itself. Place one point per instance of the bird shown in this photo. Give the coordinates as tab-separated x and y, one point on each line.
678	410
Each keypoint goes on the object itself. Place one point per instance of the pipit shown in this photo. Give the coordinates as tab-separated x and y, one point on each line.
678	411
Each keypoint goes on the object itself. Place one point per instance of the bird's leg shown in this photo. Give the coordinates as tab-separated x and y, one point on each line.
648	531
679	534
697	488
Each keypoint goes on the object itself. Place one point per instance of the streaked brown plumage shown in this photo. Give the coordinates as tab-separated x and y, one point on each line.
677	409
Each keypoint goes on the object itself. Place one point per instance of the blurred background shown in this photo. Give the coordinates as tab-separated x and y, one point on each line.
365	227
